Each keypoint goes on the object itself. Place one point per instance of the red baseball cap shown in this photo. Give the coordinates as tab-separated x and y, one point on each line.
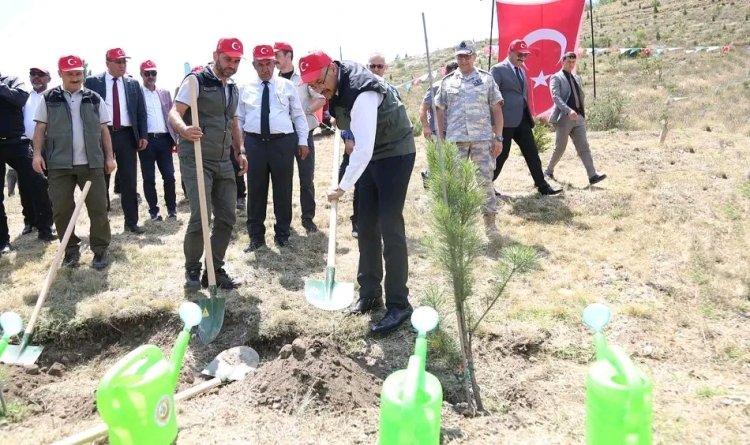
116	53
70	63
148	65
197	69
311	64
282	46
519	46
263	52
230	46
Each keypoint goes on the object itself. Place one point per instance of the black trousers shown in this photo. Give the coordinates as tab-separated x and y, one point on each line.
270	159
355	198
524	137
306	172
17	154
382	192
158	154
126	155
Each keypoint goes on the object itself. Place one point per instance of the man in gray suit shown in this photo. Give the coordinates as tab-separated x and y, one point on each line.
518	122
569	118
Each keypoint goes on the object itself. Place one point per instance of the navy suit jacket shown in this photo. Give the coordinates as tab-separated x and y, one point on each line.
133	98
515	94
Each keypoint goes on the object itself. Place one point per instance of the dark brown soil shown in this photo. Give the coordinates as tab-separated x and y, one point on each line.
311	374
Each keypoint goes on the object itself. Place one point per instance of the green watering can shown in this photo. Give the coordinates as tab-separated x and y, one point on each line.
136	396
412	398
618	395
12	325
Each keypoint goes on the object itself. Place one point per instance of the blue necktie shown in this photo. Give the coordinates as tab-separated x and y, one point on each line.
520	78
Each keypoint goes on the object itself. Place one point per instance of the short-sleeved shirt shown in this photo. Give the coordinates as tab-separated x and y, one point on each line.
74	102
468	101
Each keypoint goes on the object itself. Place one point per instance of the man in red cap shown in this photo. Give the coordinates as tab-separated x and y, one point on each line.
219	132
73	120
275	129
161	139
125	104
382	161
311	102
517	119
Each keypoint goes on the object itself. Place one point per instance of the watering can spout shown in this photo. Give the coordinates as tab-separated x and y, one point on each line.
191	315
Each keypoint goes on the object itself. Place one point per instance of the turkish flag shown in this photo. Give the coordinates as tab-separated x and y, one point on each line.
550	28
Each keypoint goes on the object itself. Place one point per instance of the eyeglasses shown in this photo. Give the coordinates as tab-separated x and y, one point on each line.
319	83
149	74
378	66
522	55
37	74
118	61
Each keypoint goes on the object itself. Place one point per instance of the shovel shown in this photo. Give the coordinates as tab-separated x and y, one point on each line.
328	294
212	307
230	365
24	354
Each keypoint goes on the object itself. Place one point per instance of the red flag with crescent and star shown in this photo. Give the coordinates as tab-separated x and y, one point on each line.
550	28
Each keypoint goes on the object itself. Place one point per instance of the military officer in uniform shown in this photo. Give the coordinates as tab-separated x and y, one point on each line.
468	102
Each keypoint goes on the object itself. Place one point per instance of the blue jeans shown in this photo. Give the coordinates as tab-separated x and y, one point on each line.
382	192
159	153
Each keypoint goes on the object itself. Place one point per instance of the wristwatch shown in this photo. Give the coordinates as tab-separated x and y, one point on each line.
499	138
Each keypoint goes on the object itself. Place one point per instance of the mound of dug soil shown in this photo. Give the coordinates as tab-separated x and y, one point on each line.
313	374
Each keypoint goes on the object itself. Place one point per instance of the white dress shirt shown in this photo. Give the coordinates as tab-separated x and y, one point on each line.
306	95
286	114
124	116
155	117
364	124
29	110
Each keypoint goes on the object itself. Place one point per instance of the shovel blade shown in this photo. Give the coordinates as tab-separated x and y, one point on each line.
329	295
21	355
213	318
233	364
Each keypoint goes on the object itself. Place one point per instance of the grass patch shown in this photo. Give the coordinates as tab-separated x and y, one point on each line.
543	315
639	310
731	212
14	413
573	353
706	392
745	190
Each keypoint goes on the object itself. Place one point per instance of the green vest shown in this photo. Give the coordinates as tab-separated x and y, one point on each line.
215	116
58	147
393	134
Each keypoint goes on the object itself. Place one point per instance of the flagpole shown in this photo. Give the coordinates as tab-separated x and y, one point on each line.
439	138
492	25
341	56
593	47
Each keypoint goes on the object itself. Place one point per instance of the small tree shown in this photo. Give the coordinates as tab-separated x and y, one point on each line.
456	243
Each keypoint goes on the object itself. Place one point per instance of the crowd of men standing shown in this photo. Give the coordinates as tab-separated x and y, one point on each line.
57	139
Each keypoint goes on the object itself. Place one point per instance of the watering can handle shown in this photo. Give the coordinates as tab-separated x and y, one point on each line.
148	352
620	360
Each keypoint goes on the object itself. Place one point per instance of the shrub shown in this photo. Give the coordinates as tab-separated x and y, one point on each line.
542	135
606	112
416	128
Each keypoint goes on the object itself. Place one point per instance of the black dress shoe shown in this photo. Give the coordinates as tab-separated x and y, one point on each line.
547	190
5	248
392	319
134	228
281	242
46	235
100	261
365	305
597	178
255	245
27	228
309	226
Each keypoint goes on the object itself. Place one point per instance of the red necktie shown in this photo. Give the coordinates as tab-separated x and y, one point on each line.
115	105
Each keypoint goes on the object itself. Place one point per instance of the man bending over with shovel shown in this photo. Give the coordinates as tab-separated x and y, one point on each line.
217	104
382	160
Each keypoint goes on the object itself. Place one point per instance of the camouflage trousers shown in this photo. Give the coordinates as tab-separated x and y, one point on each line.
480	154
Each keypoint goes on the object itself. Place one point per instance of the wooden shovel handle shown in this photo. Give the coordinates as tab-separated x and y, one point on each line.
331	259
101	429
55	266
193	84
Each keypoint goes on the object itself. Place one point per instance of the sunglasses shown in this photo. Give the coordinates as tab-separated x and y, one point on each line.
378	66
37	74
149	74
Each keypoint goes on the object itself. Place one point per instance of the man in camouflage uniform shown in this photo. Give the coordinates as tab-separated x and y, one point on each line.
468	103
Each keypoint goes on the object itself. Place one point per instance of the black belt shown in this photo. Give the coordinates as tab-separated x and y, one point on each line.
112	129
157	135
270	137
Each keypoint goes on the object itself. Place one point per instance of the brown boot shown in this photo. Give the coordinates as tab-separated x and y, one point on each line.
490	228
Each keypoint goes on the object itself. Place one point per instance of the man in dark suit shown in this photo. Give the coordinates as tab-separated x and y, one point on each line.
161	139
518	122
125	104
